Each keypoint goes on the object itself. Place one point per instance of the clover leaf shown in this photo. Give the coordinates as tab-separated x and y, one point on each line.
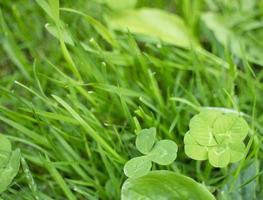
217	136
138	166
164	152
145	140
193	149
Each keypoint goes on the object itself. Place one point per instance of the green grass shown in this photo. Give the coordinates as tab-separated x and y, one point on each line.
74	110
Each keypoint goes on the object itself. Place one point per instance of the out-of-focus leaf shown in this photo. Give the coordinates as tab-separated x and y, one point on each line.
52	29
241	189
242	39
158	24
5	150
8	173
119	4
99	27
164	185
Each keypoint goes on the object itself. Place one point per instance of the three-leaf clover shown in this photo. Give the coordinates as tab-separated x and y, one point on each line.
217	136
163	152
9	163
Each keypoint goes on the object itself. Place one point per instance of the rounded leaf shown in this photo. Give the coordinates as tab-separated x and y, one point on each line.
194	150
164	185
138	166
230	127
219	156
5	150
145	140
164	152
237	151
201	127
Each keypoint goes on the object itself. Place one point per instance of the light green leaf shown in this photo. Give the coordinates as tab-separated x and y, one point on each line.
138	166
118	5
237	151
5	150
8	173
164	152
193	149
164	185
201	127
219	156
158	24
52	29
230	127
145	140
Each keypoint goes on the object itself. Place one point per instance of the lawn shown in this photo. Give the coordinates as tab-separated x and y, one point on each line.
131	99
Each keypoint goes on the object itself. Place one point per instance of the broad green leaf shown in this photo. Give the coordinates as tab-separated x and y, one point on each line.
193	149
230	127
137	167
219	156
201	127
5	150
8	173
164	152
66	35
157	24
145	140
164	185
237	151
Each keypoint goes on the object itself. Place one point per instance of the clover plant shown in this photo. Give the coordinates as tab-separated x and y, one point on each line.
217	136
9	163
163	152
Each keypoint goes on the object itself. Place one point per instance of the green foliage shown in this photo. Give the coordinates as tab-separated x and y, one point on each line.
145	140
5	150
164	185
156	23
72	110
216	136
239	37
164	152
10	163
118	5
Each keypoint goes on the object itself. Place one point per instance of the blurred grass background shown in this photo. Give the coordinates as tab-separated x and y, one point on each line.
73	109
